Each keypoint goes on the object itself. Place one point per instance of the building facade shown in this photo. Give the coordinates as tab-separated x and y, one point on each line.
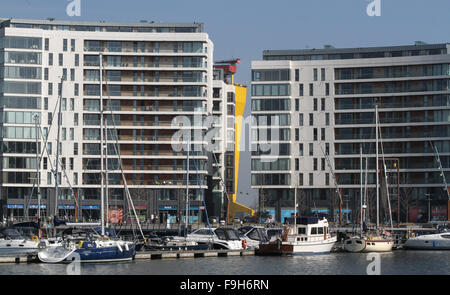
323	101
157	86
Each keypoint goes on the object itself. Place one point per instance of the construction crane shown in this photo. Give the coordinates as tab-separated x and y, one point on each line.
228	66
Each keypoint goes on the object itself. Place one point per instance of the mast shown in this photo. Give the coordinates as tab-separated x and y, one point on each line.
295	204
38	166
361	188
57	149
187	189
376	171
101	146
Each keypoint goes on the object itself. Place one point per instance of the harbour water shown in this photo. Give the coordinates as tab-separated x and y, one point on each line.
400	262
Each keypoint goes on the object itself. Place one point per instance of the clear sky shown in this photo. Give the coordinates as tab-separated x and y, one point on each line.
243	29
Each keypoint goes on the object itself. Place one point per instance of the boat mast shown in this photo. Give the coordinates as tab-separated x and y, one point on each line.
57	148
101	146
361	188
376	160
187	188
295	204
38	165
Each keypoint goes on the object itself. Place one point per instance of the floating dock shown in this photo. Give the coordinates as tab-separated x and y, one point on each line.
142	255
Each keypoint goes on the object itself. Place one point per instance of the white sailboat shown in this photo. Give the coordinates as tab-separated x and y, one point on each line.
373	242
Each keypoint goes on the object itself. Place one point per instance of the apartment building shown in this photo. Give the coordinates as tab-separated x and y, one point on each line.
153	75
323	101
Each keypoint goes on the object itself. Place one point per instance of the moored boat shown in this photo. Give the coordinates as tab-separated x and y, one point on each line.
439	241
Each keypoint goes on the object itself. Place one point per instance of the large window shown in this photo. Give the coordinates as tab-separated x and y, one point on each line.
21	42
16	57
20	87
21	72
271	90
16	102
271	75
271	104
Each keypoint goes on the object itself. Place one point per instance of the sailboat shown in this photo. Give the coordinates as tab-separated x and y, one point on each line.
97	245
373	242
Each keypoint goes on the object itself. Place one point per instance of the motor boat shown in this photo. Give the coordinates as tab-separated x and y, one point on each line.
254	236
306	235
219	238
440	241
13	242
169	243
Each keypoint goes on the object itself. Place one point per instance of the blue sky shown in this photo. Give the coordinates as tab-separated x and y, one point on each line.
243	29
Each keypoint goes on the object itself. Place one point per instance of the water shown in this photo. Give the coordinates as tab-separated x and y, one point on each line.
394	263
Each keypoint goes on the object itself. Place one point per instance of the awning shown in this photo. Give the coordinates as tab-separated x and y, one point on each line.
92	207
194	208
66	207
36	206
167	207
15	206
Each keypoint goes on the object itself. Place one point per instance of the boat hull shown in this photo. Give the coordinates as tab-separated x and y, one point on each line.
428	242
300	248
98	254
378	245
354	245
19	247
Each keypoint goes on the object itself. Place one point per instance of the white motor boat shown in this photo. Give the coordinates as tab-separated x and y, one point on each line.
220	238
439	241
254	236
309	235
12	242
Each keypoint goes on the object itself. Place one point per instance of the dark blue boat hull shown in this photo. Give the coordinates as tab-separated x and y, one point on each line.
106	254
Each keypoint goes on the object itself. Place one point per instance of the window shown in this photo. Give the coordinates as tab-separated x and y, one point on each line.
71	134
327	178
322	106
75	178
322	137
76	89
72	74
311	179
46	74
300	179
311	149
75	148
50	118
315	74
311	119
64	44
71	163
44	163
72	44
77	60
60	59
315	164
75	119
64	104
327	148
300	149
323	74
50	88
49	148
46	44
297	104
64	74
72	104
315	104
50	59
297	134
322	164
327	89
315	134
301	90
45	103
64	133
327	119
311	89
297	74
49	178
297	166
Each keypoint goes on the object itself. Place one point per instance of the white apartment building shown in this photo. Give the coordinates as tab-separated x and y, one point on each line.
152	73
325	101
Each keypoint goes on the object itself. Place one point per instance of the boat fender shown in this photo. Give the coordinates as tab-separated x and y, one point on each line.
80	244
120	248
35	238
370	237
126	247
244	244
